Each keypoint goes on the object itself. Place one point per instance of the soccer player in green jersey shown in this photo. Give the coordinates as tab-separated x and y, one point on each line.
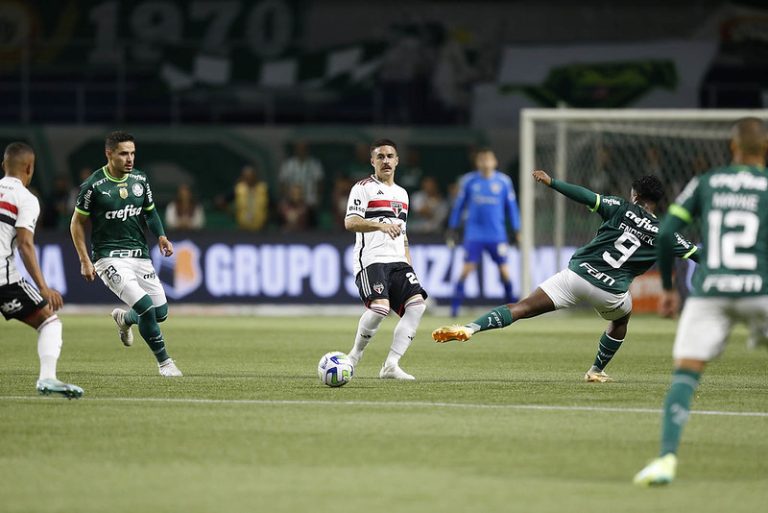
599	273
117	201
730	284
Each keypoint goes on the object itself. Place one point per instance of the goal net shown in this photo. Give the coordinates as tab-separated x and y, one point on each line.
605	150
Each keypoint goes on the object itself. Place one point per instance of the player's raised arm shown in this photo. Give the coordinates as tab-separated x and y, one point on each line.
569	190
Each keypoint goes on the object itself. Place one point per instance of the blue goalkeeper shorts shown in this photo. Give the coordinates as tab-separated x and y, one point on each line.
497	250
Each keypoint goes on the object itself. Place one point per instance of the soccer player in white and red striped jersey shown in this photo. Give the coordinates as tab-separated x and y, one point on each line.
19	210
377	211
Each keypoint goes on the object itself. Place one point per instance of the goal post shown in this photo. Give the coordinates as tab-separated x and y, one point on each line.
604	150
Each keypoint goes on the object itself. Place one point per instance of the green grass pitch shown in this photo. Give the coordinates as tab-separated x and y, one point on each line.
250	428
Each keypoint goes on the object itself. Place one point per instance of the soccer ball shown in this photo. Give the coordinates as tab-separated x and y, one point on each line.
335	369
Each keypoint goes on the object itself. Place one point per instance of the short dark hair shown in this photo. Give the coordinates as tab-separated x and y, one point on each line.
648	188
115	138
383	142
484	149
750	134
17	149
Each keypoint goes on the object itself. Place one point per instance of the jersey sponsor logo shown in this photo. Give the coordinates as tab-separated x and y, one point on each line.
642	222
733	283
124	213
598	275
610	201
106	193
125	253
137	189
738	181
87	199
11	307
150	276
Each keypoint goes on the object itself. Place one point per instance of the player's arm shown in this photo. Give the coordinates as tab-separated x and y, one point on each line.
575	192
356	223
513	212
407	250
454	219
26	245
77	228
154	223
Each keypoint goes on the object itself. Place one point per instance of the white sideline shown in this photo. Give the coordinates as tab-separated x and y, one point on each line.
410	404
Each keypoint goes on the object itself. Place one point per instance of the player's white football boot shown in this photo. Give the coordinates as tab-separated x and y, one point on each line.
126	335
660	471
168	369
454	332
595	375
54	386
394	372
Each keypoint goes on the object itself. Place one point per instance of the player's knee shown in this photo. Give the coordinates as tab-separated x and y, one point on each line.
161	312
416	307
379	309
144	306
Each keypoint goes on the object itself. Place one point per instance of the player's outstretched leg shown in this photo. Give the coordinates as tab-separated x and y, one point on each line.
500	317
366	329
677	406
150	332
49	344
609	344
405	331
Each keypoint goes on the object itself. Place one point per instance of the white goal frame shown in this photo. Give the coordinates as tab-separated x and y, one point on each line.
528	119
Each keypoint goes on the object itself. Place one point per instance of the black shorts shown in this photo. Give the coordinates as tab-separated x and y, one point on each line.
396	282
20	300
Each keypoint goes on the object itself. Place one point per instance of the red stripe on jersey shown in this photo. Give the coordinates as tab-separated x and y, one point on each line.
9	207
386	204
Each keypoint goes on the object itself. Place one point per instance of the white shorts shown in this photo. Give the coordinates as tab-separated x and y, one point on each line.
567	289
706	323
130	279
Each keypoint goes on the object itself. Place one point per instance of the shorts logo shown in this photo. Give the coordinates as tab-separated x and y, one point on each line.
378	288
137	189
112	275
150	276
11	307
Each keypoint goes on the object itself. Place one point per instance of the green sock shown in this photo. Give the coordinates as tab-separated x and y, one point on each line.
149	329
499	317
605	350
677	406
131	317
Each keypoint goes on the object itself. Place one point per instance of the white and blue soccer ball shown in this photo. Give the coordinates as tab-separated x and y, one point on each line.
335	369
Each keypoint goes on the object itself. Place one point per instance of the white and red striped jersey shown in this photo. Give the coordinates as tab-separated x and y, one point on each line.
19	208
372	199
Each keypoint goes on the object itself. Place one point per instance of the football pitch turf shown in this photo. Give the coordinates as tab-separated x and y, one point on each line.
500	423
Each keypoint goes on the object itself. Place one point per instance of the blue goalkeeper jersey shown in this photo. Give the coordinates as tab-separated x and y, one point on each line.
488	202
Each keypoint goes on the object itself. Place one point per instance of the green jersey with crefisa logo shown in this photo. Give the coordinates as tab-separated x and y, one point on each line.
116	209
624	246
732	205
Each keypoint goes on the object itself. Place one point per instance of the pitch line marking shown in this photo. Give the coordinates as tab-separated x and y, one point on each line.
409	404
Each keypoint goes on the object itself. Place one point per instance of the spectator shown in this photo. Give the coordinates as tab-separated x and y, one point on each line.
303	170
409	175
57	209
428	208
341	188
251	200
360	168
294	211
184	212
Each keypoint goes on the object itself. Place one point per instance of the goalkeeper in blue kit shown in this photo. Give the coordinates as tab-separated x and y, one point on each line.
486	201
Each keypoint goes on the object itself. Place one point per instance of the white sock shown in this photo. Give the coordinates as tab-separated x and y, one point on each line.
405	331
367	328
49	346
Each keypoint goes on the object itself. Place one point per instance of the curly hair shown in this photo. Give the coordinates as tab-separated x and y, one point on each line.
648	188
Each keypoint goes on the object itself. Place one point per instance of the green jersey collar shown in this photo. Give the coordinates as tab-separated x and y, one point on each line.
112	178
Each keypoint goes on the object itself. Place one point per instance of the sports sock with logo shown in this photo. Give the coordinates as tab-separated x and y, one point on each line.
677	406
499	317
367	327
149	329
405	330
606	349
49	346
